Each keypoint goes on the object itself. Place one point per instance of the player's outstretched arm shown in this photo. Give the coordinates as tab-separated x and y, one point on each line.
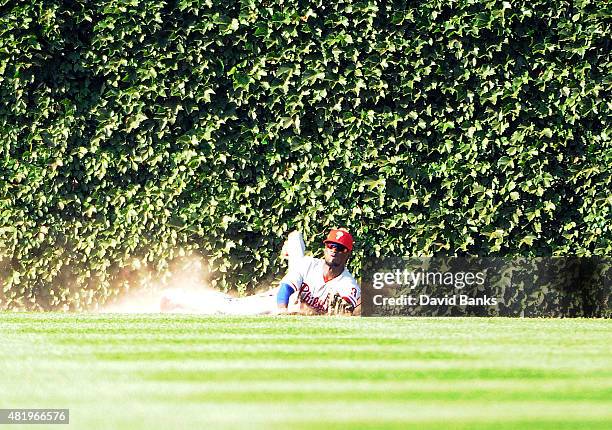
282	297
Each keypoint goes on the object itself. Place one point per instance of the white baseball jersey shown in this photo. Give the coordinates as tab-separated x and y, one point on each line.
306	276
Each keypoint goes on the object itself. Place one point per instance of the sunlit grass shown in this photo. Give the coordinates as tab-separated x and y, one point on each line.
161	371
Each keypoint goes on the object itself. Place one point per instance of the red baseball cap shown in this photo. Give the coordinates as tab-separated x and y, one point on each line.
340	236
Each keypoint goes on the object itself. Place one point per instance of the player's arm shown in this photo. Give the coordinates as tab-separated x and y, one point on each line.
340	305
282	297
345	299
291	282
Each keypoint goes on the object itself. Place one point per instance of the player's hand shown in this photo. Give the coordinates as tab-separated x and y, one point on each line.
339	306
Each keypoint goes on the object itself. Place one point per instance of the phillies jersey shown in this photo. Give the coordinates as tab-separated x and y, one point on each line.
306	276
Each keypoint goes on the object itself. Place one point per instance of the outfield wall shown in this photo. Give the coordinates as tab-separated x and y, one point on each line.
135	132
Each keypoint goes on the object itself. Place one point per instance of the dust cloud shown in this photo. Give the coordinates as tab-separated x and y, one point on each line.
184	289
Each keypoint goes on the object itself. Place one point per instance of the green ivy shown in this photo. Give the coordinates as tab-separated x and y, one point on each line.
133	129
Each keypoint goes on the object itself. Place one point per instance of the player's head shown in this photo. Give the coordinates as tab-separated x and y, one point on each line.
338	247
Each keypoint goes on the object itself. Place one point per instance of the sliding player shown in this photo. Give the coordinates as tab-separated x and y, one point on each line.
324	285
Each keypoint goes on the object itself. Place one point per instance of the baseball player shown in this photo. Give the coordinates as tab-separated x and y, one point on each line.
315	286
322	285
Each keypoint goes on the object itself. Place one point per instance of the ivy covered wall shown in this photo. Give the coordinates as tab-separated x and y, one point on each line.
132	132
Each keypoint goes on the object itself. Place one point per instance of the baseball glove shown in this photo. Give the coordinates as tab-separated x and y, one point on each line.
339	306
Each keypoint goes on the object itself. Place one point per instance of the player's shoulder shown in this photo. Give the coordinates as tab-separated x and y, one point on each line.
307	261
347	277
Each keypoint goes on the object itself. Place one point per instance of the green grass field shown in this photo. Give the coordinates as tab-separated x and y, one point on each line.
166	371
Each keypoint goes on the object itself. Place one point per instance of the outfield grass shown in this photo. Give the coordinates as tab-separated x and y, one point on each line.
165	372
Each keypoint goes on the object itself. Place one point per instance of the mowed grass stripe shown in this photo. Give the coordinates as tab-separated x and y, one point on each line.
266	372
